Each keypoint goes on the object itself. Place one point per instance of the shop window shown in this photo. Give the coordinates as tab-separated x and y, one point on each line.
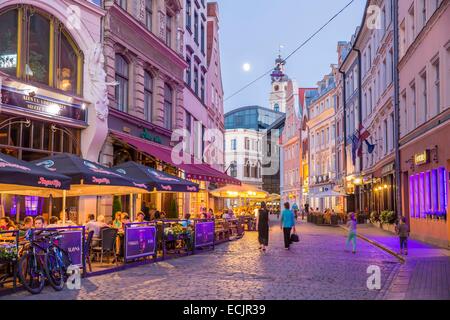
44	53
428	193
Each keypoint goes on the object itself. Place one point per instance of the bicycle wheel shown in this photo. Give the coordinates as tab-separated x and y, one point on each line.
54	269
30	273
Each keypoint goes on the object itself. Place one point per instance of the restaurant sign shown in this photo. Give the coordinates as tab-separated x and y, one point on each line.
150	137
204	234
140	241
422	158
16	98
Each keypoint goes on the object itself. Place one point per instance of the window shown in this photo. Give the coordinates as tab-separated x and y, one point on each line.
276	107
188	14
61	69
202	39
437	86
247	144
148	96
412	28
196	80
233	169
169	30
202	88
423	78
234	145
168	106
189	71
247	168
188	122
423	4
122	4
196	27
386	135
8	42
413	106
428	193
122	86
149	14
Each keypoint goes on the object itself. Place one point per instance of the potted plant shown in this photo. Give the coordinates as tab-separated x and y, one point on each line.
375	217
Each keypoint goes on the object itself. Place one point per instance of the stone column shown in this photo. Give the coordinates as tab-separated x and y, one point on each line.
158	109
138	107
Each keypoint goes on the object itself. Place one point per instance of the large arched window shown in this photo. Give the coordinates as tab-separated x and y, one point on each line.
122	80
35	47
168	106
148	96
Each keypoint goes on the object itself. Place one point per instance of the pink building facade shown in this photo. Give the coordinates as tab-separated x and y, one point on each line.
75	122
291	147
424	69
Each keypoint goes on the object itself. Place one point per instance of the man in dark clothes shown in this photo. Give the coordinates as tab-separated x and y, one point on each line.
146	211
263	227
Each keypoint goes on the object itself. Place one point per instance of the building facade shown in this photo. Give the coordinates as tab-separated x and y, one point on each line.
424	72
322	145
291	147
145	67
374	44
52	89
245	129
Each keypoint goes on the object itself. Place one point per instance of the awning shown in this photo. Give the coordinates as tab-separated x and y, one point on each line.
20	177
203	172
155	179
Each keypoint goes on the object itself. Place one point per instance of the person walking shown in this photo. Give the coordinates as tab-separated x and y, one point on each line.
287	224
262	221
403	233
351	225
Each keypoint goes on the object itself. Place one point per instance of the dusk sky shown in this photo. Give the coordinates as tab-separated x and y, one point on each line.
252	30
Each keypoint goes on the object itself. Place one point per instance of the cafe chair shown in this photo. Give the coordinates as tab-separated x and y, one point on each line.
108	243
88	249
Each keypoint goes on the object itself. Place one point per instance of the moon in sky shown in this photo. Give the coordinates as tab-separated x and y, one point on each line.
246	67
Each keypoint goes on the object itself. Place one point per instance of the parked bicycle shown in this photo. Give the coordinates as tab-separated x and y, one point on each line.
41	258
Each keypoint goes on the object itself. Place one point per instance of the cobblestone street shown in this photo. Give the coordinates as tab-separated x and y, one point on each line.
316	268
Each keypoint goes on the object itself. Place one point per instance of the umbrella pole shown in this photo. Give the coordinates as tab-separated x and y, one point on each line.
64	206
132	206
2	206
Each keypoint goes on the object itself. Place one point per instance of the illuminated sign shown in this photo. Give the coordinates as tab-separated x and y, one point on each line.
422	158
150	137
16	99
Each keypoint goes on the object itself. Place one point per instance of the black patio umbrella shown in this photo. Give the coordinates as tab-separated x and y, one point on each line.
89	178
155	179
24	178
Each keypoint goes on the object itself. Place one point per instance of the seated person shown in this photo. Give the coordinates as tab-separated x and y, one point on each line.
140	217
39	222
54	223
26	226
6	224
185	223
95	226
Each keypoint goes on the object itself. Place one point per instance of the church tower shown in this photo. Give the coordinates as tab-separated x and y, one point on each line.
278	96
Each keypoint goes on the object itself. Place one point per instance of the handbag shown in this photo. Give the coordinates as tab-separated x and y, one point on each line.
295	238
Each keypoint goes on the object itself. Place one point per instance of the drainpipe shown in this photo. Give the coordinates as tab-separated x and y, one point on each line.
359	119
344	124
396	80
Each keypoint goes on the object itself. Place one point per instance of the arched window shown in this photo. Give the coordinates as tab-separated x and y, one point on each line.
276	107
123	83
37	48
168	106
148	96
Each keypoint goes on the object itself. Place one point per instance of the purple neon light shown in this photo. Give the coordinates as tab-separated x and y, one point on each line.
411	197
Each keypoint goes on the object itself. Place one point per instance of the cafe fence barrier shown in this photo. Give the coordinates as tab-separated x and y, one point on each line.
204	233
9	254
140	241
